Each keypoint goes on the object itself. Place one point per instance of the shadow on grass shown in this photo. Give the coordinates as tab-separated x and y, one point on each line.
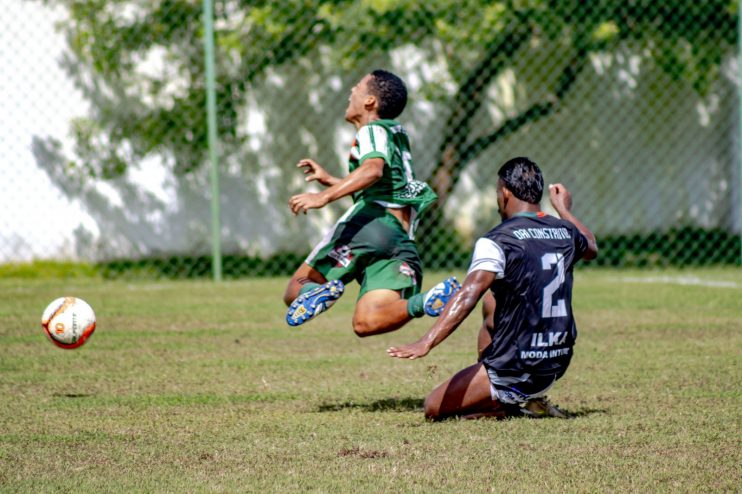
71	395
416	405
515	414
385	405
584	412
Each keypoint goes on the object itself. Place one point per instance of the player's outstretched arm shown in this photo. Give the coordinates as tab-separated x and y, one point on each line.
460	306
365	175
314	171
561	199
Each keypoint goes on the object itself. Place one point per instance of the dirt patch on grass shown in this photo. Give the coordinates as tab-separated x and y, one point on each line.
362	453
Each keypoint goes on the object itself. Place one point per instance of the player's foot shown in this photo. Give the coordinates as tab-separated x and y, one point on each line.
541	408
438	296
314	302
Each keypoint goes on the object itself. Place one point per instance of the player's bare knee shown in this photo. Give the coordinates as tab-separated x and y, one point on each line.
362	327
363	323
431	409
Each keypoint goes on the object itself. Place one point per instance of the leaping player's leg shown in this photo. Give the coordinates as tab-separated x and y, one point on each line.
386	286
303	276
467	395
308	294
319	281
390	297
380	311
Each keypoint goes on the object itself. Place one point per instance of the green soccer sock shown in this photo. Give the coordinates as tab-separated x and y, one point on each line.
416	305
307	287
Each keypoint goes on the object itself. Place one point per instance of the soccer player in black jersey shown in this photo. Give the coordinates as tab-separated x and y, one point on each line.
528	333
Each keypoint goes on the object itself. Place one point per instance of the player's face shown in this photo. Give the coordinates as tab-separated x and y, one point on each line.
357	100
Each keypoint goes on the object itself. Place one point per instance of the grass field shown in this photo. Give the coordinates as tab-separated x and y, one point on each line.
195	386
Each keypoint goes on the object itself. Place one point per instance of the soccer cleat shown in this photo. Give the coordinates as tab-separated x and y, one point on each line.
539	408
438	296
314	302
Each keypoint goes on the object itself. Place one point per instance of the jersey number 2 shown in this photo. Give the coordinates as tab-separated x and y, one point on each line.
558	309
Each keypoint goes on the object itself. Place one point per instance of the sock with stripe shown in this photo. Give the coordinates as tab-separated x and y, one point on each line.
416	305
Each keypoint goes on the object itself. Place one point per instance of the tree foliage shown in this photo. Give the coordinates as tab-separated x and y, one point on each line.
140	62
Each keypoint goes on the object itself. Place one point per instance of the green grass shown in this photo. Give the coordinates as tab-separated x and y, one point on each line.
192	386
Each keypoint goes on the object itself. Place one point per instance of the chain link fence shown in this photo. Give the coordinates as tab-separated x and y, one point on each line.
632	104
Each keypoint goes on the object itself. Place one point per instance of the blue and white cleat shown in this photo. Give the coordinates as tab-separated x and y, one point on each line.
438	296
314	302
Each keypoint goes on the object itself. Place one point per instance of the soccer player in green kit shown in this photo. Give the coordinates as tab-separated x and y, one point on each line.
372	242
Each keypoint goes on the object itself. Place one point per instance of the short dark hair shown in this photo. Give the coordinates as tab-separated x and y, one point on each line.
523	178
391	92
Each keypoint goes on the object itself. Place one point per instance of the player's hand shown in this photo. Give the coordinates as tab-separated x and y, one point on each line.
415	350
560	197
307	201
314	171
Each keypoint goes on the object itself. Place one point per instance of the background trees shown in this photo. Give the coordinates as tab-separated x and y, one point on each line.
140	63
141	113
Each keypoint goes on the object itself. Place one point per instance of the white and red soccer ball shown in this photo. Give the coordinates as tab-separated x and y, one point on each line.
68	322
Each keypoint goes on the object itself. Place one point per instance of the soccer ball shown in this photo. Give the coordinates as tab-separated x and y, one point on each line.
68	322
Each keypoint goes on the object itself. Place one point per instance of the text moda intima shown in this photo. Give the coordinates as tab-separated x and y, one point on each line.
558	352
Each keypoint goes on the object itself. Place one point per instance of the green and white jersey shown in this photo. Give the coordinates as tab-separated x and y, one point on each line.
397	187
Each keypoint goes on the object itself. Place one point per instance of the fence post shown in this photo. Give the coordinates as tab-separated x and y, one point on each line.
739	122
216	250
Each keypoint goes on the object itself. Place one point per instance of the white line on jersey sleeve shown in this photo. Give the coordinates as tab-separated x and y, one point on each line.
488	256
373	139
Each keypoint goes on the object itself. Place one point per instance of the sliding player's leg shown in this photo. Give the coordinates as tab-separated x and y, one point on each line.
467	395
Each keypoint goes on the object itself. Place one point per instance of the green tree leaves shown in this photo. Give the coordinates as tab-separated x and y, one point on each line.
141	62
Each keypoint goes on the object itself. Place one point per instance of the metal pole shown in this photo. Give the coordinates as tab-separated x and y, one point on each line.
739	122
216	249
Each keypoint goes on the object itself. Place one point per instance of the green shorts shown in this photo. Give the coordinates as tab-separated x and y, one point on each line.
369	245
